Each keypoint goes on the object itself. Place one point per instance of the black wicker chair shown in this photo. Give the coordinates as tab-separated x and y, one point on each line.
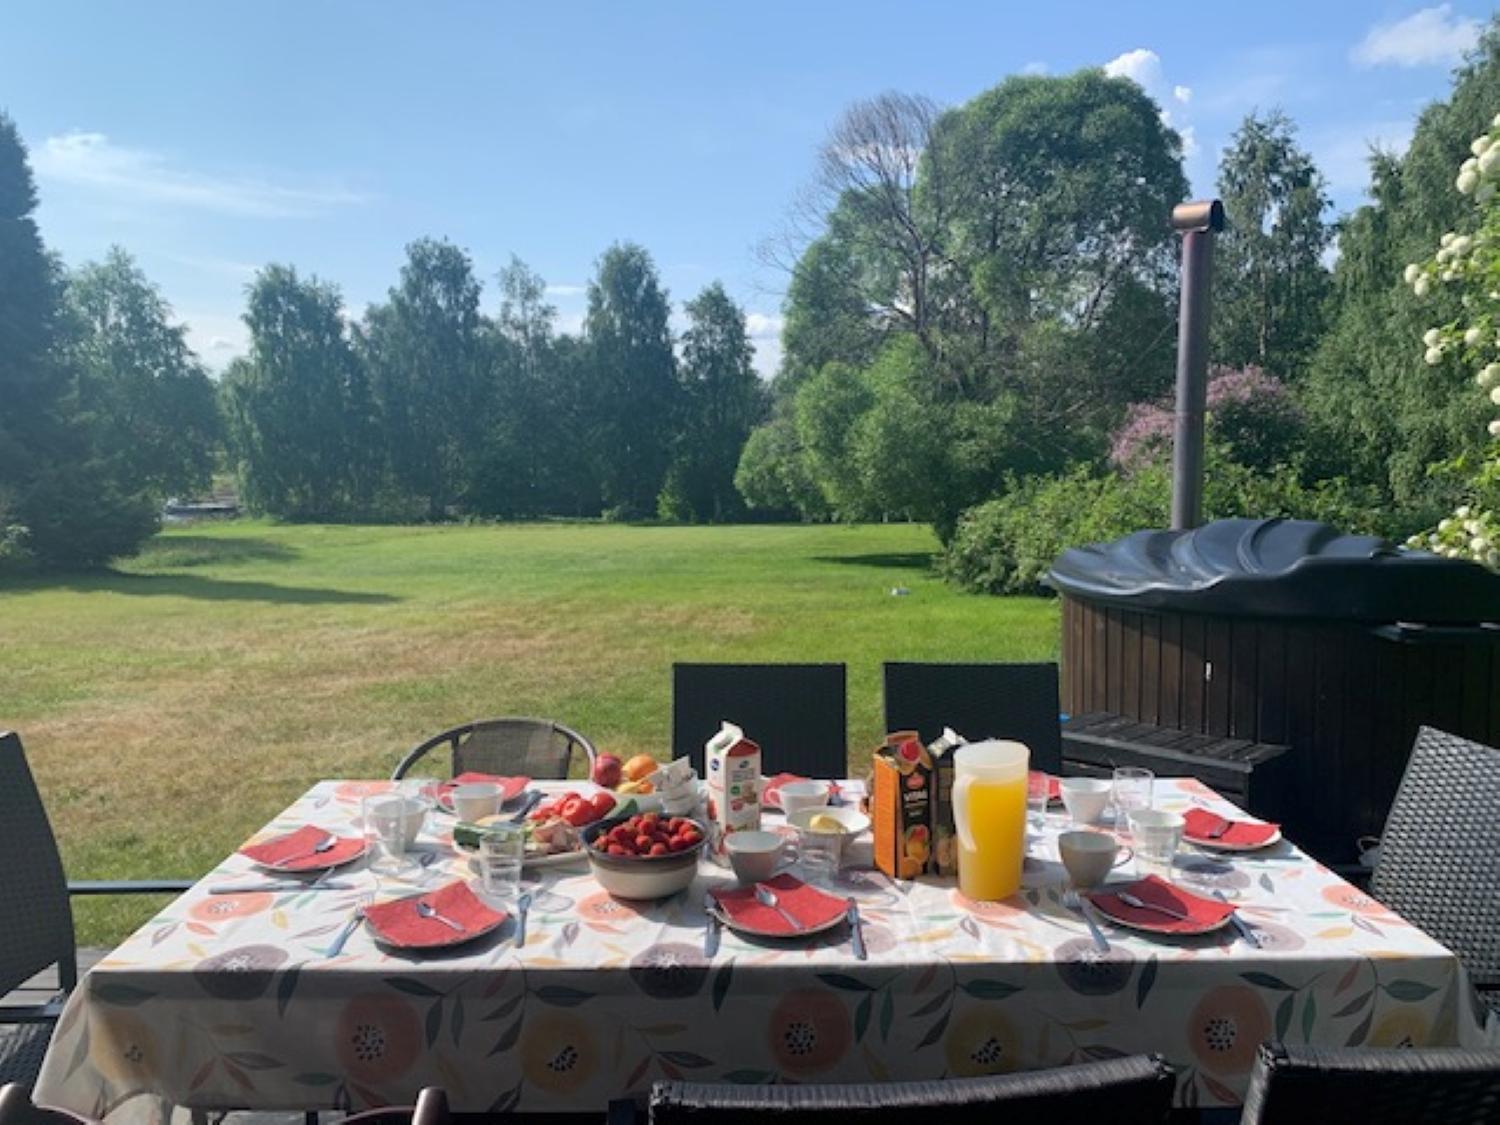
431	1109
36	916
1116	1092
798	713
1439	865
508	747
1372	1086
17	1108
1016	701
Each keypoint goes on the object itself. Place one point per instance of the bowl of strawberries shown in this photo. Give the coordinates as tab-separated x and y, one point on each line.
645	855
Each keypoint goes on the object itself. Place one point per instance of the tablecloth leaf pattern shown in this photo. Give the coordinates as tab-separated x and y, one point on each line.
228	1001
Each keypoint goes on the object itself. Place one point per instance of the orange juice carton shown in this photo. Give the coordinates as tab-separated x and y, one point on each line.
901	805
944	835
732	765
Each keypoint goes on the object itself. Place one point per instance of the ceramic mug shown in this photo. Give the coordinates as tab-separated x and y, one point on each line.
1090	856
472	803
756	856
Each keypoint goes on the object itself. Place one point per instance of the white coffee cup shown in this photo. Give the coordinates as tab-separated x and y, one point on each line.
1085	798
474	802
755	856
397	820
799	795
1089	856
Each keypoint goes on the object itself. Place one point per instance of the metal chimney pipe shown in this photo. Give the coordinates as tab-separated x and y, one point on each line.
1198	222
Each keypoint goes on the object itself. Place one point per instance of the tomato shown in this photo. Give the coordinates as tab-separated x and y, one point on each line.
603	804
578	812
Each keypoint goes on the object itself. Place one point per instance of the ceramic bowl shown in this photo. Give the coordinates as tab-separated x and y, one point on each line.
799	795
853	821
641	876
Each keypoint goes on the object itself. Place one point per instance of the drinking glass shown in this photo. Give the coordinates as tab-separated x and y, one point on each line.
501	850
1132	790
1157	835
387	820
819	854
1038	790
425	789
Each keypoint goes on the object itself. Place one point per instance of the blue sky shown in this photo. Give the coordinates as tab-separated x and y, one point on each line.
211	138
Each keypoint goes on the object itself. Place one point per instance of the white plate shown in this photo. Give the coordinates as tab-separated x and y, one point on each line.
1165	928
1220	846
778	935
537	863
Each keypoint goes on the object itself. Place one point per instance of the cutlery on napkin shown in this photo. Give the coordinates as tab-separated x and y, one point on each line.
273	887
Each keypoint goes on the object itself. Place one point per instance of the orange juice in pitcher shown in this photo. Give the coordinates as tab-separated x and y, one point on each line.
989	815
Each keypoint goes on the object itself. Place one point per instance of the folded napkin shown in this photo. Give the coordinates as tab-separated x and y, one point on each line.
1201	913
1200	824
1054	785
770	792
398	923
807	904
510	787
294	851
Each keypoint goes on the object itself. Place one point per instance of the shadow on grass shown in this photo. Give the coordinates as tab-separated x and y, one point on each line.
207	550
919	560
203	589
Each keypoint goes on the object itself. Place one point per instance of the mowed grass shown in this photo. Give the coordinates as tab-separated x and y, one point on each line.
173	706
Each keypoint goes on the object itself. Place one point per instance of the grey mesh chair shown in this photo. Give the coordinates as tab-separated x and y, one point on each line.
1439	865
1292	1085
507	747
36	916
797	713
1115	1092
1016	701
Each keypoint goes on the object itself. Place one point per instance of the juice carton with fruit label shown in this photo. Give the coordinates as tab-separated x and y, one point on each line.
901	805
732	765
944	835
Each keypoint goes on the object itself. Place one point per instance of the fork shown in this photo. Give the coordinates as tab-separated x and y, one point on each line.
337	945
1074	901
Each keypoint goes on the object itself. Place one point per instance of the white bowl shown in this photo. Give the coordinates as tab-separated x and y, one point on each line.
475	801
642	877
1085	798
852	821
409	812
799	795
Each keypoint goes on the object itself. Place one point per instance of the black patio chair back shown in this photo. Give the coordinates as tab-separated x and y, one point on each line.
1131	1090
798	713
507	747
17	1108
1374	1086
1015	701
38	920
1439	864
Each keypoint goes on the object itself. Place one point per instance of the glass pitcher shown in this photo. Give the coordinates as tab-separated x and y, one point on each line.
989	815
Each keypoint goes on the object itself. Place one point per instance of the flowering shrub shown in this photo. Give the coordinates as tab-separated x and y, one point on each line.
1471	264
1249	411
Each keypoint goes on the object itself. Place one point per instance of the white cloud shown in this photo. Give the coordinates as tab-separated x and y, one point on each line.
221	344
1430	37
567	290
1189	140
1184	94
93	161
1036	67
1343	154
1141	65
215	335
764	330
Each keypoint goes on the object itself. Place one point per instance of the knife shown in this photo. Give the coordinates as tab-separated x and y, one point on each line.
523	905
528	802
255	888
1241	926
715	927
857	930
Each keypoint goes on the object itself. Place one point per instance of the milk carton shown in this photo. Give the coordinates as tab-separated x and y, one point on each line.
732	765
944	859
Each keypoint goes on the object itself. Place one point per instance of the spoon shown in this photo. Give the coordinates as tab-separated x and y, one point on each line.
1141	904
767	897
350	926
1073	901
323	845
427	910
523	904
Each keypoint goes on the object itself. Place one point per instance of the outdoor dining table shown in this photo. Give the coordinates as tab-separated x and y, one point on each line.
228	1001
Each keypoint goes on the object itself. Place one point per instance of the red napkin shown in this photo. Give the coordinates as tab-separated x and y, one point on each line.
278	852
510	787
770	792
808	905
1202	913
1054	785
1200	824
398	923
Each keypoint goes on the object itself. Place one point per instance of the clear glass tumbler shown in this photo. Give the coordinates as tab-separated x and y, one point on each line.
1132	790
1038	791
501	851
819	854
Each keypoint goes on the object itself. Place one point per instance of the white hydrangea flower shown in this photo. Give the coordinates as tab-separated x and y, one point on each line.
1494	428
1445	254
1488	375
1432	337
1495	124
1449	274
1472	336
1434	356
1411	273
1422	286
1479	545
1495	395
1448	236
1462	244
1479	144
1445	526
1469	164
1467	181
1471	526
1463	511
1488	160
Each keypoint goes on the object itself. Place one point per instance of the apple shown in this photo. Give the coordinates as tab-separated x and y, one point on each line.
607	770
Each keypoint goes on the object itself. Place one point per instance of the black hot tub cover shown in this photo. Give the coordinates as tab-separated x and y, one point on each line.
1278	568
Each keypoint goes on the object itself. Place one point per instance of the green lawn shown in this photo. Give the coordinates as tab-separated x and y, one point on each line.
172	707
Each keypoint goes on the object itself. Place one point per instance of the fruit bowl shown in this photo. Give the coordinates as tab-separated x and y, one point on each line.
636	876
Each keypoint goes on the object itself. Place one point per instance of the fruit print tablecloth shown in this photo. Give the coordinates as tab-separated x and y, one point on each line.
227	1001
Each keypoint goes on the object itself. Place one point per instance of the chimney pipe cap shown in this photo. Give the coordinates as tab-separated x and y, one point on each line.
1200	214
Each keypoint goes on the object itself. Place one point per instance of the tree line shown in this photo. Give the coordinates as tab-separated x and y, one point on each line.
980	315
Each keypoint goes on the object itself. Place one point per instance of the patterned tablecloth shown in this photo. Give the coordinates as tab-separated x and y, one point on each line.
226	1000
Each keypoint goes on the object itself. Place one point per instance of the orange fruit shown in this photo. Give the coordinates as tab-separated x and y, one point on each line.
640	766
